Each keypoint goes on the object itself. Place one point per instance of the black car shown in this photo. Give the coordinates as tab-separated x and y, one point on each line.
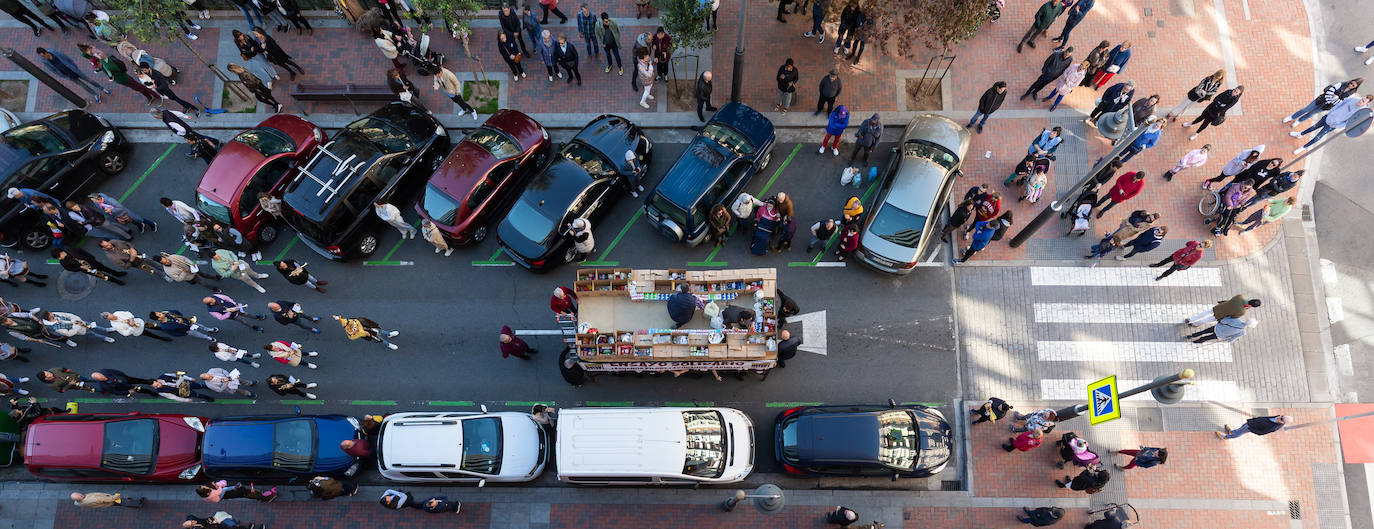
589	174
863	440
385	156
64	156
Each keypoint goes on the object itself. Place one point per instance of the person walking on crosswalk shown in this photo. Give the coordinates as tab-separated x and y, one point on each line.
1183	258
1232	308
1229	329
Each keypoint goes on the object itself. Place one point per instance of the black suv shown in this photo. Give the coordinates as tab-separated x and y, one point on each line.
63	155
385	156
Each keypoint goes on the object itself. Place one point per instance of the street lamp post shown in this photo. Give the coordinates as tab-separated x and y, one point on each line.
737	72
767	498
1167	389
43	77
1356	127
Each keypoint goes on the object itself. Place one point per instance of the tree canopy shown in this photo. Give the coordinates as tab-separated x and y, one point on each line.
685	20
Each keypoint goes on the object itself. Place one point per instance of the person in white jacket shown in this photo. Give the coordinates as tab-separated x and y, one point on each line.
1193	158
1073	75
1338	117
1241	162
124	323
392	215
221	381
229	353
743	209
584	244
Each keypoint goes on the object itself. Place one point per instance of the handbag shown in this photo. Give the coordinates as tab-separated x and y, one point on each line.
1221	118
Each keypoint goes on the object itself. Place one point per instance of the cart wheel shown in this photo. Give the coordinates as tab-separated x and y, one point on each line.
1210	203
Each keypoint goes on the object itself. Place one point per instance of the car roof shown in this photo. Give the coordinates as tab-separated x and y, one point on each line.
635	441
462	168
331	173
424	439
838	437
523	129
939	130
78	440
916	185
556	186
240	442
610	134
748	121
701	164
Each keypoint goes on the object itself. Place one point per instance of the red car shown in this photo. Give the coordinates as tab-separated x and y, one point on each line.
483	175
259	159
115	447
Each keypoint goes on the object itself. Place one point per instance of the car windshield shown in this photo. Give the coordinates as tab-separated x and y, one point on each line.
729	138
25	141
130	446
935	441
896	439
790	449
267	141
482	445
307	228
382	133
673	211
293	445
438	205
706	446
898	226
920	149
530	222
208	205
498	144
589	159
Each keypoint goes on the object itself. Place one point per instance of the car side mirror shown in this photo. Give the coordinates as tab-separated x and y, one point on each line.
484	408
891	403
482	483
958	173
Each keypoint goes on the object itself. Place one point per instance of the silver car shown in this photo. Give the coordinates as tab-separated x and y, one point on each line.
915	188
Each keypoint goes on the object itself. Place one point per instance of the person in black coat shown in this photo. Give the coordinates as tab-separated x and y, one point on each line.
1255	425
989	103
683	305
1215	112
1090	480
275	54
1117	97
568	367
704	94
510	24
566	56
1051	69
787	348
1042	516
74	259
22	14
292	11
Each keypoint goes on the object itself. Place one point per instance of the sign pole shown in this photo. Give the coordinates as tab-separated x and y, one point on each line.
1070	412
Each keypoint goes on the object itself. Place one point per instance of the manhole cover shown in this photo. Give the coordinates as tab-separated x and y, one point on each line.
73	286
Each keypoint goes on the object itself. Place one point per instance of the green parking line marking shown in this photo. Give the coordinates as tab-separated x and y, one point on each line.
708	263
789	404
301	401
598	263
616	240
830	243
609	404
93	401
527	403
800	263
289	245
159	160
372	403
492	260
795	150
181	250
707	404
928	404
450	403
711	258
234	401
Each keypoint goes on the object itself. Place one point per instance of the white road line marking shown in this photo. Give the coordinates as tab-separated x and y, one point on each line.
493	264
1369	484
1122	276
1343	360
1054	351
538	332
1245	6
1077	389
830	264
1334	310
1329	274
1114	312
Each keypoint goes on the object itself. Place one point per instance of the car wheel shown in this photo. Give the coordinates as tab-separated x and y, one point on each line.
479	235
763	164
37	238
112	163
368	245
267	234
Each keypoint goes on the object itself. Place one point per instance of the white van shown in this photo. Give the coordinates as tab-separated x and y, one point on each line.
654	446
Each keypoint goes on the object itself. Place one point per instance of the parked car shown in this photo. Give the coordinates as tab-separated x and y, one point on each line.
385	156
863	440
279	447
736	143
484	173
159	447
654	446
915	188
461	447
587	177
64	155
258	160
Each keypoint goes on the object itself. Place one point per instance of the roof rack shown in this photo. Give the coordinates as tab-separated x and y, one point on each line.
334	184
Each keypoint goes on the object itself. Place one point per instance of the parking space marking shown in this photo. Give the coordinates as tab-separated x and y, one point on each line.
388	263
296	402
282	253
145	174
491	261
834	239
601	259
789	404
372	403
710	259
708	262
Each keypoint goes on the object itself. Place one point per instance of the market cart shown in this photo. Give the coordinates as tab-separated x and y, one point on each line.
623	324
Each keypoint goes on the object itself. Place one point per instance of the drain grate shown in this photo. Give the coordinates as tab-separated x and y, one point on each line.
1294	510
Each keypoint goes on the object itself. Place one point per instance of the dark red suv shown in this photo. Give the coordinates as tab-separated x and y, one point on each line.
258	159
115	447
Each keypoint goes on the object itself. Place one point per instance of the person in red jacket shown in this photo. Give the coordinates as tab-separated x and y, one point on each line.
849	242
988	206
1024	442
563	302
1184	257
513	346
1127	185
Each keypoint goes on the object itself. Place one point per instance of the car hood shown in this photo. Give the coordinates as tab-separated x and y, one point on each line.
519	445
178	446
839	437
229	171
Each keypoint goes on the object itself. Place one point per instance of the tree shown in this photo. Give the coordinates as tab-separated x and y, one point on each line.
456	14
157	21
685	20
937	24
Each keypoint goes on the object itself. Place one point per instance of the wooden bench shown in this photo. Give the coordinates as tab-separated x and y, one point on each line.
345	92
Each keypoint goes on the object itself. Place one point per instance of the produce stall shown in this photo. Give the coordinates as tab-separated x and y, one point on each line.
623	324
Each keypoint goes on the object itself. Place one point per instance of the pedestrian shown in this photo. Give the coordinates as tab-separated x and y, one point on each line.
287	385
15	271
1090	480
297	274
1277	185
431	233
248	7
543	415
782	10
863	29
607	35
1237	165
990	410
114	211
989	102
1073	75
787	85
21	13
1215	113
178	387
77	260
1145	457
1044	516
1183	258
176	325
566	56
100	500
180	210
1256	425
640	48
290	353
1338	117
834	128
1329	96
849	17
580	231
1117	97
125	256
229	265
327	488
982	233
61	379
1042	420
63	326
551	5
563	302
289	313
1046	142
1116	61
274	53
386	43
453	89
12	352
397	500
8	386
218	380
683	305
644	66
1230	308
663	52
1142	109
720	221
207	148
291	9
220	520
830	88
118	72
229	353
703	94
163	86
178	268
1040	25
1097	59
1228	329
400	85
743	209
117	383
1144	141
91	219
821	233
1024	442
532	28
222	490
957	217
511	53
1077	11
853	211
392	215
511	28
1193	158
545	46
1145	241
359	327
849	242
1127	186
62	65
512	345
1053	68
570	369
358	448
1205	89
866	138
842	515
255	57
441	504
818	10
586	28
260	92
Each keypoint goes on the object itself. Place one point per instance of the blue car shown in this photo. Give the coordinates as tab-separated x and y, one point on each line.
715	167
279	447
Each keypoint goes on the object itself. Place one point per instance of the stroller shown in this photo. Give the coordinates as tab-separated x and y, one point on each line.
1115	516
1074	449
138	56
1082	214
1028	166
427	61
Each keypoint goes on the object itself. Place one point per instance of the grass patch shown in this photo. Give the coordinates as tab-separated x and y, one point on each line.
487	101
235	105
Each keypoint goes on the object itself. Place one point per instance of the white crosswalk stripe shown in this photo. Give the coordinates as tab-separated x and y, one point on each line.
1076	389
1114	312
1078	276
1083	351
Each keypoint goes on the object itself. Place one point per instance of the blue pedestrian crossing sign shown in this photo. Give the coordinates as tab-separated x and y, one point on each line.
1103	404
